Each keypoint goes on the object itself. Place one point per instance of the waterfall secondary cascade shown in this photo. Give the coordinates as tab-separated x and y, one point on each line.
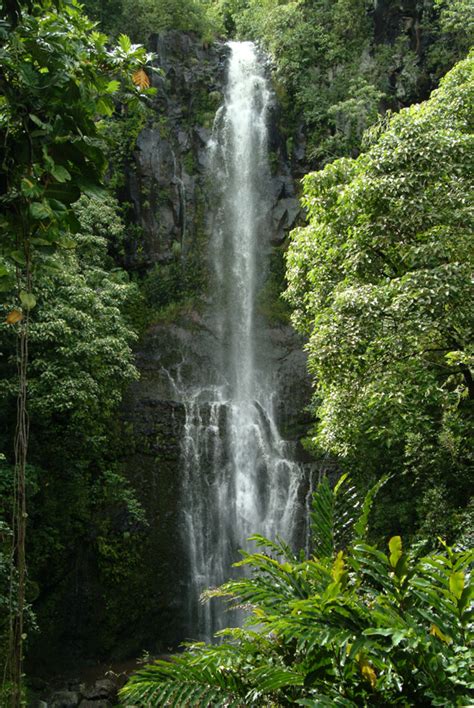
239	476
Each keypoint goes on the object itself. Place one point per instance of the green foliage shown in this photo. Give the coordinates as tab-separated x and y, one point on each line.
173	283
322	78
144	17
80	361
379	281
120	133
58	79
270	302
79	344
349	627
456	31
338	64
56	83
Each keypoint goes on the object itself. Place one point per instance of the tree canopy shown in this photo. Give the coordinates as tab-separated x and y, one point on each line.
339	63
380	282
65	342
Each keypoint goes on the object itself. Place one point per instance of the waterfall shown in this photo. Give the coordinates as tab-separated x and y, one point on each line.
239	477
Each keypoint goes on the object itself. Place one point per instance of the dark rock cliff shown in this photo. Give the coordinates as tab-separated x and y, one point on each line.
166	182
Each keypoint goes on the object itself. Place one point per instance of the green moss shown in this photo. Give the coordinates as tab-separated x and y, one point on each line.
204	107
175	311
163	127
270	303
189	163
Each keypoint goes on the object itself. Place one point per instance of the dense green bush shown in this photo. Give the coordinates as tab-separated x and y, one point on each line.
380	283
140	18
348	626
81	359
338	63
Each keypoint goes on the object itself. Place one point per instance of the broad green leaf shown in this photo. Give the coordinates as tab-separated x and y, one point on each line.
104	107
57	206
92	189
28	300
466	598
40	242
29	189
60	173
395	547
18	257
39	122
456	584
39	211
338	568
361	525
67	193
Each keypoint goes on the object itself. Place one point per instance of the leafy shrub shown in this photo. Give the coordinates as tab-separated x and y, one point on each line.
173	282
337	63
380	284
348	626
146	16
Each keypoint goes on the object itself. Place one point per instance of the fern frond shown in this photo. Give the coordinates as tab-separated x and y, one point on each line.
322	520
279	547
362	523
271	678
346	508
203	677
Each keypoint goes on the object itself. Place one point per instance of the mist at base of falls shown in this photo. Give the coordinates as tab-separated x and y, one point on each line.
239	475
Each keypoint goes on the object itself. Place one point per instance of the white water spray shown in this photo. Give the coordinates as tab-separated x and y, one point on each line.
239	478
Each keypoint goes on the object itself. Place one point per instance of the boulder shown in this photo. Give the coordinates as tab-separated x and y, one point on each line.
102	689
65	699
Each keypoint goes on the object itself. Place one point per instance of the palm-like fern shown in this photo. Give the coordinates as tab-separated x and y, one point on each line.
349	626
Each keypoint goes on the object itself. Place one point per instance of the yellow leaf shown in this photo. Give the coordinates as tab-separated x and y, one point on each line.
368	672
395	546
140	79
338	568
13	317
436	632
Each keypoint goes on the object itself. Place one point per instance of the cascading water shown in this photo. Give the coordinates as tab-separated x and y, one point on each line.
239	477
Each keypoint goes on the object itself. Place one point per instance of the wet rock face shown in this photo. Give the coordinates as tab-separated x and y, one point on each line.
166	184
172	359
165	181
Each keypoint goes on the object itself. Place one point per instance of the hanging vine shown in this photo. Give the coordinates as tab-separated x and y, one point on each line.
19	516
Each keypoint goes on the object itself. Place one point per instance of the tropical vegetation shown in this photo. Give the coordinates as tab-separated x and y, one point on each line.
350	625
65	341
380	283
375	112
